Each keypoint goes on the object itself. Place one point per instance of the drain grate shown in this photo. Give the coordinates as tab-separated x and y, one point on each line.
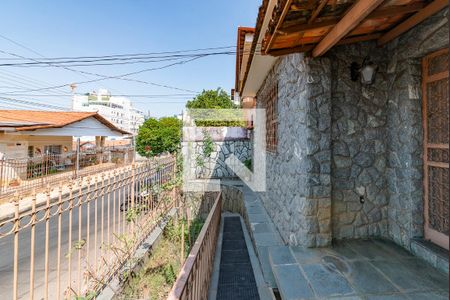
236	279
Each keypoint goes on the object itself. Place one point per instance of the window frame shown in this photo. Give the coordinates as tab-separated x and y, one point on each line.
269	100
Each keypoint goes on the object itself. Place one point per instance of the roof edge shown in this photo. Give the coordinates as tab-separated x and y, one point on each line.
259	22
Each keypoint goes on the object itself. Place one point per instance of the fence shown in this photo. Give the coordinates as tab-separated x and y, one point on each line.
69	243
194	277
25	174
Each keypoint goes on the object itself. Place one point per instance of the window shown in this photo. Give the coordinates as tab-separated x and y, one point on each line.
53	149
269	100
30	151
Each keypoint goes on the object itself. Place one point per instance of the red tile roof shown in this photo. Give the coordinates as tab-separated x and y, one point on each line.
50	119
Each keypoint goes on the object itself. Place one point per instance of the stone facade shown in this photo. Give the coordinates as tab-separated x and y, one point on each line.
404	125
298	196
359	196
213	165
349	157
199	204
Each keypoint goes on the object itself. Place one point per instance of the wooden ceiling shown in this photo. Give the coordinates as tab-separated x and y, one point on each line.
318	25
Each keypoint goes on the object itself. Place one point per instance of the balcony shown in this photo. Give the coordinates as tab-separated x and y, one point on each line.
253	262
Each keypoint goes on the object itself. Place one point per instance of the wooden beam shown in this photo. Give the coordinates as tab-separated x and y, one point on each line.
297	49
280	21
386	12
304	27
360	38
396	10
412	21
355	15
309	47
317	11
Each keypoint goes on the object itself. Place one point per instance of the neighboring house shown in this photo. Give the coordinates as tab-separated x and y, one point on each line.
118	144
348	157
86	146
118	110
108	144
25	133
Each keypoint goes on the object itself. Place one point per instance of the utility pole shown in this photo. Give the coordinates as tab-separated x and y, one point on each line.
73	86
77	163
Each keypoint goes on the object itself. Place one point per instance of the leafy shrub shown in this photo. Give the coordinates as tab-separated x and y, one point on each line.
169	274
248	163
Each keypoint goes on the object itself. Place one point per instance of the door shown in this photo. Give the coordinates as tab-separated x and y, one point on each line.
436	134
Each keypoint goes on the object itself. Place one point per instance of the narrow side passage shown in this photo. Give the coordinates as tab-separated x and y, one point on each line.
236	278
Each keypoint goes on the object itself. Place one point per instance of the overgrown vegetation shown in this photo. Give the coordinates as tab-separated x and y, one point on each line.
207	149
156	278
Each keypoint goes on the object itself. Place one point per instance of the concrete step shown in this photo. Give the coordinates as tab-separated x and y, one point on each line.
290	281
433	254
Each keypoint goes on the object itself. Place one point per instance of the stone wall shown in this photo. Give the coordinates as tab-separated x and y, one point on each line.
224	143
359	196
199	204
349	157
298	175
404	125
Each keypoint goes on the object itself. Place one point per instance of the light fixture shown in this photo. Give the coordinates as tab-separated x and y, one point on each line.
365	72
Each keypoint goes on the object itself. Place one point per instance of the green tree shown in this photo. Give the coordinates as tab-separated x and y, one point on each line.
211	102
211	99
158	136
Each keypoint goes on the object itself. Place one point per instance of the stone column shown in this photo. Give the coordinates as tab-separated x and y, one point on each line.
298	196
317	201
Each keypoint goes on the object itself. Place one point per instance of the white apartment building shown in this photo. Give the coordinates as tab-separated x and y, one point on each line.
118	110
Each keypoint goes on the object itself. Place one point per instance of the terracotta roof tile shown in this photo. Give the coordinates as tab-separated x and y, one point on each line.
50	119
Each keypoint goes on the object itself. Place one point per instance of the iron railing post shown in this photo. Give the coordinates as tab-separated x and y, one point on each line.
59	216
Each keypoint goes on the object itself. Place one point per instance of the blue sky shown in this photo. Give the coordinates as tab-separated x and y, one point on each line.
82	28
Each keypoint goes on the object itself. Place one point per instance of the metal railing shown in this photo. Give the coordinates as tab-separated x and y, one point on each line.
69	243
194	278
24	174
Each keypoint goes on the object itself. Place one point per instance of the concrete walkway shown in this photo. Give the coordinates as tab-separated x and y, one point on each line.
359	269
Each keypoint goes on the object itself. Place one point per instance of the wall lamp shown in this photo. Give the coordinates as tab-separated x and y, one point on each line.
365	72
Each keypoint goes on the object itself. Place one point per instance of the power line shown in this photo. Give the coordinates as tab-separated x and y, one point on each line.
19	82
37	104
104	77
110	62
28	79
16	106
193	56
119	77
35	52
123	55
114	95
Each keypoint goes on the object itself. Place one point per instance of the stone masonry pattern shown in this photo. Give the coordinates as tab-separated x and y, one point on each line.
298	175
404	165
349	157
214	166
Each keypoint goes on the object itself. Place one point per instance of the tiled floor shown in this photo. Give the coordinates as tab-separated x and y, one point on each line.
360	269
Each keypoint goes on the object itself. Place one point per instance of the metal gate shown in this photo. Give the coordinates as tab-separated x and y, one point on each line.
436	150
